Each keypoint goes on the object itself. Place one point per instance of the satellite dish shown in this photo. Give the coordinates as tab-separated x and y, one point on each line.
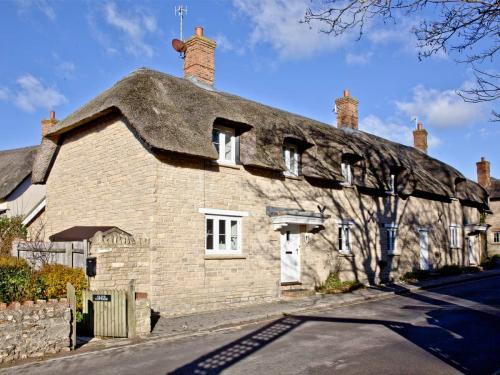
179	45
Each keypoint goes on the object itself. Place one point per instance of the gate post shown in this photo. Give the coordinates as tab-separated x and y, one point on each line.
69	254
70	290
131	309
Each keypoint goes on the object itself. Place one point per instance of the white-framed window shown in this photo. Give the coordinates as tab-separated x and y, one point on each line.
392	184
391	235
222	231
347	173
222	234
225	141
345	242
291	157
496	237
454	236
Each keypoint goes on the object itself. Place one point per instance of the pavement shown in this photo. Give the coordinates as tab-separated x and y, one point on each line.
448	329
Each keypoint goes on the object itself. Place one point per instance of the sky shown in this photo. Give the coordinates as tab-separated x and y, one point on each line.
57	55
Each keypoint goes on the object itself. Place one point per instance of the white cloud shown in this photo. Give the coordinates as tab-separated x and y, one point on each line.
41	5
4	93
134	26
33	94
358	58
443	109
66	69
393	131
276	22
225	45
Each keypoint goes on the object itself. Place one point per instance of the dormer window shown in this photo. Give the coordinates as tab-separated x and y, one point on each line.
347	173
392	184
225	142
291	157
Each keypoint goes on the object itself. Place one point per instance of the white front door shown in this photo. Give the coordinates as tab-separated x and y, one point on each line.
290	260
471	247
424	250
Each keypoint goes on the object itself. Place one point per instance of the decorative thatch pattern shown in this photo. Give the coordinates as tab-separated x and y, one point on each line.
15	167
173	114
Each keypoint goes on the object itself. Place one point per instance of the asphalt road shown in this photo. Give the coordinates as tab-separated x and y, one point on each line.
450	330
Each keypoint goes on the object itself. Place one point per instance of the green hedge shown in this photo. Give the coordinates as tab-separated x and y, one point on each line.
16	280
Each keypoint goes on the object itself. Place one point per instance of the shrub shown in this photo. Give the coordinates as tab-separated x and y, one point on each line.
54	278
414	276
491	262
334	285
10	229
16	280
450	270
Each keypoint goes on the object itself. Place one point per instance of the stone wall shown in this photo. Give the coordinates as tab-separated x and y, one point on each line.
33	330
119	259
142	316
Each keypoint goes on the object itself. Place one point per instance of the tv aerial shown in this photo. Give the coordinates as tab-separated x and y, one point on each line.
178	44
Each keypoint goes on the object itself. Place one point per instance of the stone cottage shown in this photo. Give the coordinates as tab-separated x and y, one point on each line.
241	203
18	196
492	186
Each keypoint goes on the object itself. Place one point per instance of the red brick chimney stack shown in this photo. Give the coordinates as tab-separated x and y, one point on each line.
483	173
47	123
199	61
347	111
420	138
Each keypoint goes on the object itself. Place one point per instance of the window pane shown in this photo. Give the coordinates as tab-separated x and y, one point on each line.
347	238
340	239
210	234
215	139
228	148
287	158
234	235
222	234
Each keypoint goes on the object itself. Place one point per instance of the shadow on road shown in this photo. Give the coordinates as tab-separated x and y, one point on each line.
464	338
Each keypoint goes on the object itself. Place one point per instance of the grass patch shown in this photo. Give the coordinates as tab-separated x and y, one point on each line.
333	285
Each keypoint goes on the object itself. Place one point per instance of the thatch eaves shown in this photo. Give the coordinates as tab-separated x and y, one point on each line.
175	115
494	189
15	166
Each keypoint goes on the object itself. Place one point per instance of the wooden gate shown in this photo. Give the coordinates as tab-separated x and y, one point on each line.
107	309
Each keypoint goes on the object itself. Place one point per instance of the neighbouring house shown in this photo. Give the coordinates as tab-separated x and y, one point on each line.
18	196
492	186
236	202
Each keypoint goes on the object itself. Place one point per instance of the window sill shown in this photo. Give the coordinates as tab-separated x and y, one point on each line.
224	256
346	254
347	185
226	164
293	177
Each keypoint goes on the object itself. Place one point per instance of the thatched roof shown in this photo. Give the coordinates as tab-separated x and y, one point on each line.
15	167
176	115
494	189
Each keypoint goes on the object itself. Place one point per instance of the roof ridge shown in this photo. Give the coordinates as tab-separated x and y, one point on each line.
19	149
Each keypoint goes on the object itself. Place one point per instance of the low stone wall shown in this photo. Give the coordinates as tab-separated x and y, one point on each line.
34	329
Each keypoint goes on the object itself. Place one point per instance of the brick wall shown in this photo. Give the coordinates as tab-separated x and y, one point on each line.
34	330
104	176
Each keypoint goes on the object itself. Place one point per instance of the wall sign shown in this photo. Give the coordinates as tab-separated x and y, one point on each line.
101	297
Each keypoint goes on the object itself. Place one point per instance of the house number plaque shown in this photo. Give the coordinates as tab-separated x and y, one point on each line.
101	298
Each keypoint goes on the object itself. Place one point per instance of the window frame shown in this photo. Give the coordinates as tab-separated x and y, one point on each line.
288	148
216	219
344	245
496	236
454	236
391	239
392	184
346	170
223	132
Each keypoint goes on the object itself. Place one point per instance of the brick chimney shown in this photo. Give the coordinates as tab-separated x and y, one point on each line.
483	173
199	60
347	111
47	123
420	138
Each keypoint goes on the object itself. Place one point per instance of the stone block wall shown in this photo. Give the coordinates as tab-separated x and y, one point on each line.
142	316
34	329
493	220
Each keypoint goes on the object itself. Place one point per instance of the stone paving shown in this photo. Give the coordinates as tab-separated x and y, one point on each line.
215	320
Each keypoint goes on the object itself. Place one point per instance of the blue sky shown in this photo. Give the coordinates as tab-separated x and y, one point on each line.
59	54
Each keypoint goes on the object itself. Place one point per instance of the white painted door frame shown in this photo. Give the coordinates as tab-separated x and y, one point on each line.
290	253
424	249
472	250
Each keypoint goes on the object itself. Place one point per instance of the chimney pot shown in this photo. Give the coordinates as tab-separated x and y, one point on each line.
47	123
198	31
420	126
347	111
52	115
